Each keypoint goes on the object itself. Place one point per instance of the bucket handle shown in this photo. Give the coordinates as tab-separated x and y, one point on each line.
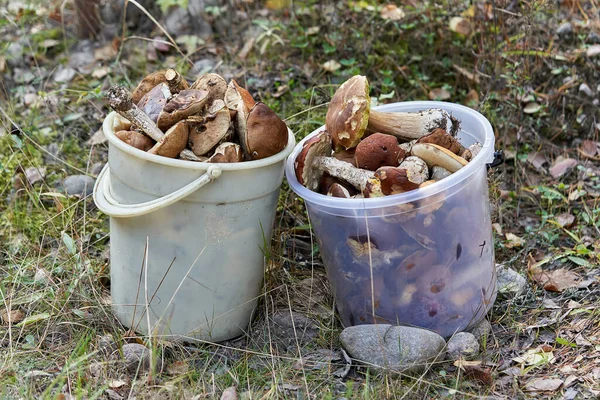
109	205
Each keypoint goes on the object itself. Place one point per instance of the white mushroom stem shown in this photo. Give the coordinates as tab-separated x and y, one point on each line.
119	99
343	170
408	126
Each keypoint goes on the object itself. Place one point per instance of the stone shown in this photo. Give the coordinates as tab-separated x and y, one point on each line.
593	38
137	357
14	53
64	74
565	29
396	348
79	185
509	282
482	331
203	66
584	88
463	345
108	346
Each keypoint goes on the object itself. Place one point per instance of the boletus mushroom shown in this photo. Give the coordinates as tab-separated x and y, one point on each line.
214	84
186	103
136	139
315	158
349	115
147	84
227	152
433	155
378	150
265	134
211	131
173	142
155	101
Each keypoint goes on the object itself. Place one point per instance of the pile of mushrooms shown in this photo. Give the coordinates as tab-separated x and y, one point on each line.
365	153
208	120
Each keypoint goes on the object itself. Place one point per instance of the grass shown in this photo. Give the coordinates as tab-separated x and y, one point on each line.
54	256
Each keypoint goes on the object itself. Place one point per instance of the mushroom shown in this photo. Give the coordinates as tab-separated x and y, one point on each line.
442	138
175	81
438	173
416	169
214	84
338	190
155	101
315	158
431	203
206	135
147	84
227	152
187	154
136	139
472	151
265	134
408	146
173	142
349	115
120	100
378	150
394	180
366	252
372	188
345	155
433	155
185	103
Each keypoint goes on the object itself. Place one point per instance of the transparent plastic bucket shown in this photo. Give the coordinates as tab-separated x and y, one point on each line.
187	239
402	260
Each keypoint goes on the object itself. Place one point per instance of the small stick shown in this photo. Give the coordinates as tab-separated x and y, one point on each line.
119	99
175	81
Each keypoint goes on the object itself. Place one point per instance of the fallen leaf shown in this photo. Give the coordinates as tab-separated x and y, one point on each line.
50	43
115	384
34	318
514	240
562	166
543	385
550	304
313	30
229	394
576	194
593	50
589	148
392	12
565	219
497	228
479	374
460	25
97	138
12	316
536	159
107	52
532	108
281	90
331	66
100	73
469	75
535	356
439	94
556	280
35	174
472	99
42	276
246	48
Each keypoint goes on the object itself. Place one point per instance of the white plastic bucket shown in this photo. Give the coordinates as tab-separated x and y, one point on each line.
432	269
210	221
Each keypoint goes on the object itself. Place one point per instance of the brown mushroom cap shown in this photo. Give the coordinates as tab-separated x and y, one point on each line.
155	101
214	84
348	113
378	150
174	141
120	123
185	103
432	203
394	180
149	82
247	98
227	153
317	146
266	134
442	138
136	139
206	135
338	190
372	188
416	169
433	154
345	155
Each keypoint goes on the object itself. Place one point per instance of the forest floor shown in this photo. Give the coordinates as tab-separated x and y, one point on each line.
531	67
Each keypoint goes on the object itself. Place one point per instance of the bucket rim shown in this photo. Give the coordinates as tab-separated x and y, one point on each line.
193	165
485	156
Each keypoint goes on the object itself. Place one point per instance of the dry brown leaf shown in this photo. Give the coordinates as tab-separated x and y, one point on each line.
467	74
331	66
565	219
97	138
593	50
439	94
537	160
556	280
460	25
229	394
12	316
532	108
514	240
472	99
543	385
392	12
562	166
35	174
589	148
479	374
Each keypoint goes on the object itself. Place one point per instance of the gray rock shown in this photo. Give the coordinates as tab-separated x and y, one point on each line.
14	53
107	346
584	88
137	357
510	282
564	29
593	38
79	185
64	74
203	66
463	345
397	348
482	331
